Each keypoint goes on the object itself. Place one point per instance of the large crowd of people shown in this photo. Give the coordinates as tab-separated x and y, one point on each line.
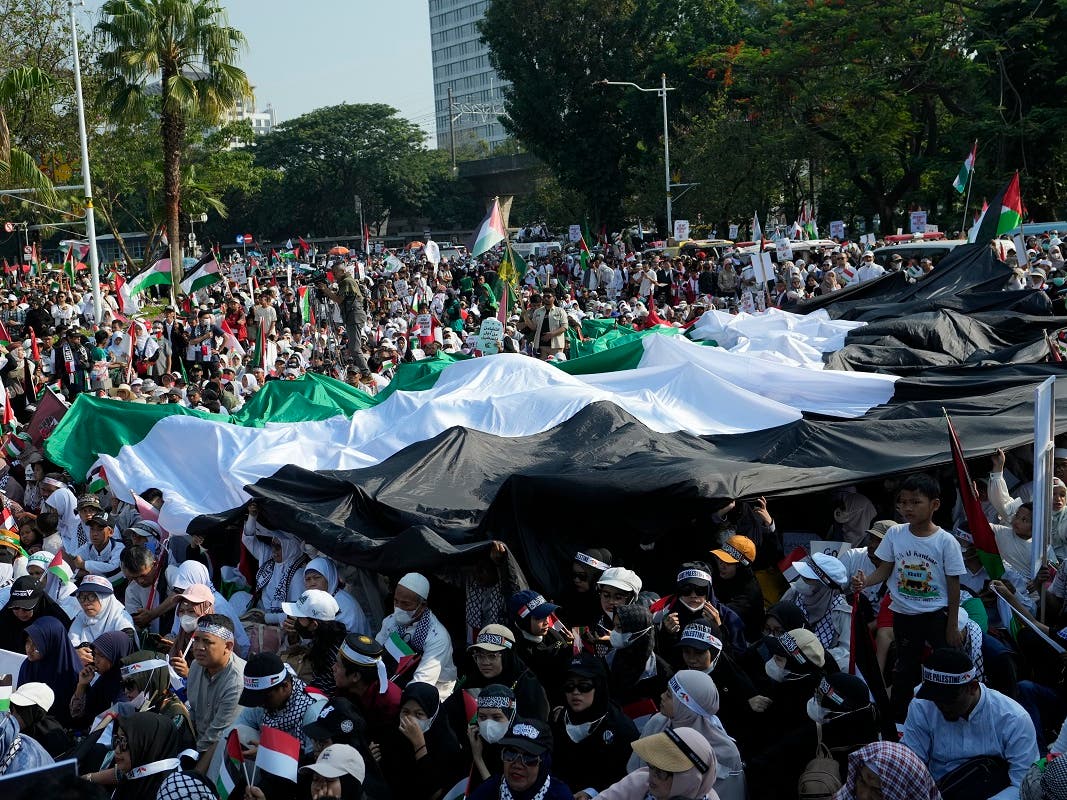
908	666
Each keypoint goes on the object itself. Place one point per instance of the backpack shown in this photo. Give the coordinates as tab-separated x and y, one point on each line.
821	778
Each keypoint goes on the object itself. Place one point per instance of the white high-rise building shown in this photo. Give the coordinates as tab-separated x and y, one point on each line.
461	63
263	122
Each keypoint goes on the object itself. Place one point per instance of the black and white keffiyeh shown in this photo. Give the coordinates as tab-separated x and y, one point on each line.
185	786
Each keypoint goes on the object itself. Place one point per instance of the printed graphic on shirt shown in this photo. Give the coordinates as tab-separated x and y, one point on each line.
915	579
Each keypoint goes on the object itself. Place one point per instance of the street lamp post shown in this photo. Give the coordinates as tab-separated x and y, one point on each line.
90	218
662	92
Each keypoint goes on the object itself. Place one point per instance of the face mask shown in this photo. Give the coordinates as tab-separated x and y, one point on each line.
492	730
402	616
424	724
578	732
619	640
140	701
807	590
775	672
816	713
188	622
695	606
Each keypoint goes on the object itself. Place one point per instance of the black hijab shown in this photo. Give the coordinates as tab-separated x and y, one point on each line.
150	737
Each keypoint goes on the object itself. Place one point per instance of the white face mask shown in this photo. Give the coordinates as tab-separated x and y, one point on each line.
816	713
402	616
697	607
619	640
492	730
531	637
188	622
578	732
775	672
140	701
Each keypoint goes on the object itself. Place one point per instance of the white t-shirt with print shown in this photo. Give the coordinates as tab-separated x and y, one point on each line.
918	583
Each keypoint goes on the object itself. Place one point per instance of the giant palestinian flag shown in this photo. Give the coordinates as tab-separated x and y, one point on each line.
631	444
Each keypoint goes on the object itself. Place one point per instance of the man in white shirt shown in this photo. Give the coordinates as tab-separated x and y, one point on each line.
414	623
956	724
868	270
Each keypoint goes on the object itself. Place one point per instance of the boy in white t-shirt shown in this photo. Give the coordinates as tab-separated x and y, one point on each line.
923	564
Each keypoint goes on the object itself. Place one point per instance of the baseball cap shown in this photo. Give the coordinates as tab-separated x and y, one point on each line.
25	593
89	501
699	637
621	578
101	519
587	665
197	593
146	528
693	573
336	721
823	568
529	735
842	692
529	603
880	528
263	671
799	646
945	672
96	584
674	750
736	550
338	760
493	638
34	694
313	604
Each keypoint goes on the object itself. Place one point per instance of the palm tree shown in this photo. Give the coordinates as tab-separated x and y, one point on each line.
183	50
17	167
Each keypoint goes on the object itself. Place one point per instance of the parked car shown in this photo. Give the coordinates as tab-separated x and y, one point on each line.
933	250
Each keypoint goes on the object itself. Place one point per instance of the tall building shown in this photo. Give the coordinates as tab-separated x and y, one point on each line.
262	121
461	63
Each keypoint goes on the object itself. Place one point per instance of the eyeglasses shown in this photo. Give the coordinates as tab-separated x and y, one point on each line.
582	687
484	656
528	760
120	742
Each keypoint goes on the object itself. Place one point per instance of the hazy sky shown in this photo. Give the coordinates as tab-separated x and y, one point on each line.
304	55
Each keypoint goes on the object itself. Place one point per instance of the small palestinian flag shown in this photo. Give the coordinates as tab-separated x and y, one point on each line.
231	780
58	567
6	687
400	651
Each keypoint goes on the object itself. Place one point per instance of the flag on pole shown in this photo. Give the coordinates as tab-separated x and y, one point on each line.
35	349
230	340
231	774
985	541
960	184
304	246
204	273
583	253
6	687
7	520
307	313
757	231
259	353
1003	215
807	221
491	232
58	567
400	651
973	231
128	304
156	275
366	239
5	338
279	753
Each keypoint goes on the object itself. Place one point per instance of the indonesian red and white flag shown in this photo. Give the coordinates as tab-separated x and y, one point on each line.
278	754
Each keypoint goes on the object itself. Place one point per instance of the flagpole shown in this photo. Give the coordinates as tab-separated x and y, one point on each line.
970	183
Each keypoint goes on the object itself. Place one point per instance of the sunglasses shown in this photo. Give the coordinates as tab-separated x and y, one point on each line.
528	760
120	742
692	588
582	687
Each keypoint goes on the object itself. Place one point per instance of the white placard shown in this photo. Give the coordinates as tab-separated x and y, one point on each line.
1021	255
490	332
574	233
425	323
11	663
783	251
835	549
837	229
681	229
733	232
868	238
918	221
239	273
762	268
930	228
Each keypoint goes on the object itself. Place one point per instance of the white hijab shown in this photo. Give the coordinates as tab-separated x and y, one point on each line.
112	617
66	505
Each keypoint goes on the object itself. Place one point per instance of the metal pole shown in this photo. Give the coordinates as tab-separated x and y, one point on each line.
967	202
666	155
90	218
452	128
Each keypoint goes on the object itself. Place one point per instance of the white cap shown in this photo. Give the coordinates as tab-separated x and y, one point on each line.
313	604
34	694
621	578
338	760
833	572
416	583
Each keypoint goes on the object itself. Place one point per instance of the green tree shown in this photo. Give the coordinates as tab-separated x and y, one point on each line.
188	50
18	168
553	52
879	85
334	154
